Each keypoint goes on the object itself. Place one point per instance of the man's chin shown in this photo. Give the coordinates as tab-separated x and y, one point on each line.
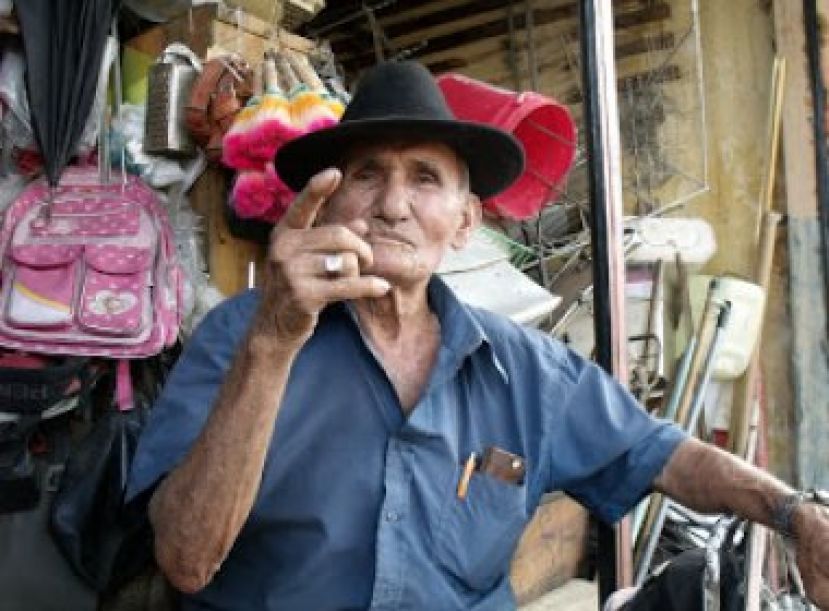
400	276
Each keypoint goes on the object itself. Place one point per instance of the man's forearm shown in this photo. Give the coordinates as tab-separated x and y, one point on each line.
707	479
200	507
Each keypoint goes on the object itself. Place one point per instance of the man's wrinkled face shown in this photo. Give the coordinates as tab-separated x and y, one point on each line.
414	202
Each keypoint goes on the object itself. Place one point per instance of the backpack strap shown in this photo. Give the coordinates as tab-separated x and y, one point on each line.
123	386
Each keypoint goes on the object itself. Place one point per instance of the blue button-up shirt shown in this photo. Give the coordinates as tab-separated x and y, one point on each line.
358	506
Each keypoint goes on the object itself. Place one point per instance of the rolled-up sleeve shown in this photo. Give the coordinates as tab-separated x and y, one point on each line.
605	450
184	404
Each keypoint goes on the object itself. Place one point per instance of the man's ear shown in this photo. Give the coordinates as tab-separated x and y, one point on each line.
470	219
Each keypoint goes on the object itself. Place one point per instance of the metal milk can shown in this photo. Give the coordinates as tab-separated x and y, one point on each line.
168	89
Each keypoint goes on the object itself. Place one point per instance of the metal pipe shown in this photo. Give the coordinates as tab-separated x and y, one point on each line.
704	334
605	188
693	417
701	346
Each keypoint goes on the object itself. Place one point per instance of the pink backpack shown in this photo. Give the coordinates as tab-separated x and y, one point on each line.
93	274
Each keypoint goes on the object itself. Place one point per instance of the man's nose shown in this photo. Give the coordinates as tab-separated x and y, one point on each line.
395	201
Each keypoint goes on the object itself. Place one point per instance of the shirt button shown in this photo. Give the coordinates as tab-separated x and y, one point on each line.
392	516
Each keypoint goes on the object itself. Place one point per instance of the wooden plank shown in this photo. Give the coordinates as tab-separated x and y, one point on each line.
441	17
462	12
263	29
798	138
207	27
341	15
810	361
808	301
228	257
500	27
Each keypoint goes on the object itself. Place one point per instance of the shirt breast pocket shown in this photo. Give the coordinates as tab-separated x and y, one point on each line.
476	536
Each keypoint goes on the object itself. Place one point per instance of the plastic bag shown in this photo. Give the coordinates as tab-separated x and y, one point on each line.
105	541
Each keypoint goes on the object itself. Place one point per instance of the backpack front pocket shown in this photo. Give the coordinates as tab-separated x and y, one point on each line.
43	281
115	297
87	219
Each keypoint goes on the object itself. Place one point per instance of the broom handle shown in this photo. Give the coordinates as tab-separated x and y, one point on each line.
270	75
306	73
258	80
286	73
741	417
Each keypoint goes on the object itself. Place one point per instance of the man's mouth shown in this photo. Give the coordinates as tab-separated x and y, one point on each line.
388	238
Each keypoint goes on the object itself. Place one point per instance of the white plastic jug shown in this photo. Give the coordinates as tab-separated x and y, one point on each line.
740	335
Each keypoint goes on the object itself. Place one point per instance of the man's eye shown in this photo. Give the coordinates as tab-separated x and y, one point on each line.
427	177
364	174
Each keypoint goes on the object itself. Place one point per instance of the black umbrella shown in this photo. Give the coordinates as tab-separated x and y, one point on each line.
63	41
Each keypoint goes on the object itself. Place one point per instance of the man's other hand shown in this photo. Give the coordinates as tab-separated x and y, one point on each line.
812	550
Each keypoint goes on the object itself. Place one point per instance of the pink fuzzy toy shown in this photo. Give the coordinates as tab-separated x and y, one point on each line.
261	195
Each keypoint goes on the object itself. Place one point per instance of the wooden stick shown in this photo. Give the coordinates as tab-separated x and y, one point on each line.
741	416
758	538
778	83
767	225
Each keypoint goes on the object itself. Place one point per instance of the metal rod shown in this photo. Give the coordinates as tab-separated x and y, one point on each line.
680	379
529	25
693	416
605	187
704	334
701	346
655	308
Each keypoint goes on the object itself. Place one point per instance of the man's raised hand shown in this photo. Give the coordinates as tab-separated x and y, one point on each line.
310	266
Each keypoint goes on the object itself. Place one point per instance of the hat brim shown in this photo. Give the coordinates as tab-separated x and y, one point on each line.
495	158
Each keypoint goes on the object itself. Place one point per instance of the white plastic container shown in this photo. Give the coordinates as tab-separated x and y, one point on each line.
740	336
660	238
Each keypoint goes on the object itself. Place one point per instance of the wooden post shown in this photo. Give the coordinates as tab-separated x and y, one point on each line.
228	258
807	297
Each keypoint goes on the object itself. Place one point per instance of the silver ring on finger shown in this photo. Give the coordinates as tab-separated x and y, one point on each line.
333	264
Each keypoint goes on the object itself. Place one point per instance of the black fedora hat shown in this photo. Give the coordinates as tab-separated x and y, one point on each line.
397	100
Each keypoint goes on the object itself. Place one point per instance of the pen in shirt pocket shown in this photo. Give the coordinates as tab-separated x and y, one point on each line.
466	475
495	462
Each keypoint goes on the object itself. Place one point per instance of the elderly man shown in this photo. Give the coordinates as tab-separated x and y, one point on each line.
352	436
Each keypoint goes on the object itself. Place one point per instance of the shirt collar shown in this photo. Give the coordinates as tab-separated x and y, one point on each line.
461	332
